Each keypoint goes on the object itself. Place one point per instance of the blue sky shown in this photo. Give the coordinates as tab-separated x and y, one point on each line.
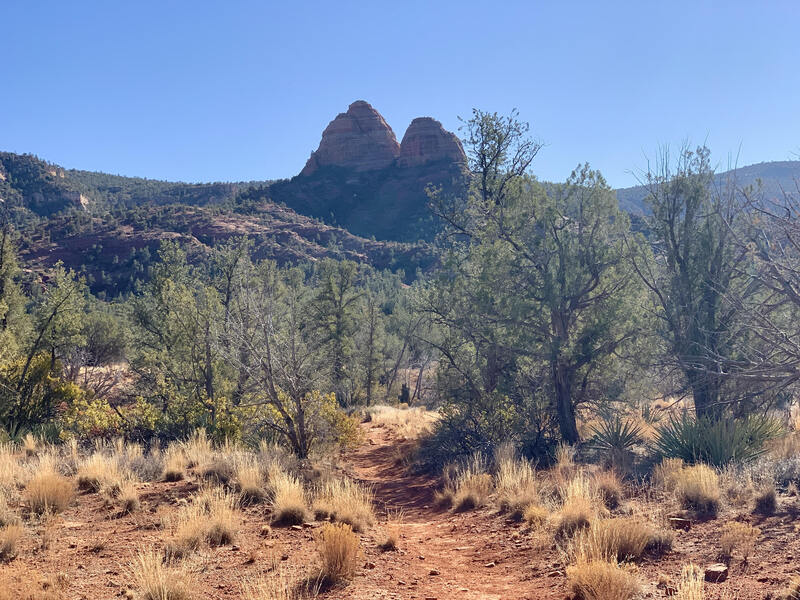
211	91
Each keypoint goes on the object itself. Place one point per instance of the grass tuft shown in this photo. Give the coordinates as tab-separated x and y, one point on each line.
156	580
338	549
345	501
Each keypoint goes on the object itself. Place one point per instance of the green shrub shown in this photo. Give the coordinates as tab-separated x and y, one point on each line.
715	442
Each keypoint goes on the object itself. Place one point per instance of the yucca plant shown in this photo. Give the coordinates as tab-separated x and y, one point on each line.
716	442
614	438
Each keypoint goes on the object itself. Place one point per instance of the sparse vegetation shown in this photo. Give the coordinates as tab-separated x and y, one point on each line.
9	537
345	501
156	580
738	537
48	491
288	499
602	580
697	488
338	549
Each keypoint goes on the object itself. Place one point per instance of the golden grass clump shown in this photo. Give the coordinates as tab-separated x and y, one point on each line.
211	518
467	486
197	449
345	501
129	498
100	472
535	515
10	471
617	539
738	537
609	487
691	584
9	537
792	591
288	499
250	482
697	489
394	526
30	445
593	579
665	475
338	549
579	506
157	580
516	485
174	464
48	491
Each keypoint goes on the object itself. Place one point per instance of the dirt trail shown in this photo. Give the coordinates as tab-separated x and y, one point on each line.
441	555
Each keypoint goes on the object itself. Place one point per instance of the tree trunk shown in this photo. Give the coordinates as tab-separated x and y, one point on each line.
564	407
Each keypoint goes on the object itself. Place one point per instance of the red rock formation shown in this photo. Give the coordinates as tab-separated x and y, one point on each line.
358	139
427	141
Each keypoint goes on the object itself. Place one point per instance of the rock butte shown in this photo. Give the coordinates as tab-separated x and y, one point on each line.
361	140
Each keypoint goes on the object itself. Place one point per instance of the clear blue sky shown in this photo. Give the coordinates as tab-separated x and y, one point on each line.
205	91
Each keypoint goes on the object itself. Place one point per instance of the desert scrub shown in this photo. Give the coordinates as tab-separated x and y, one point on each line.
210	518
129	498
766	501
345	501
609	488
338	548
100	472
579	506
394	526
697	489
197	449
174	464
515	484
738	537
250	481
287	498
48	491
280	584
691	584
617	539
157	580
9	538
10	471
592	579
472	485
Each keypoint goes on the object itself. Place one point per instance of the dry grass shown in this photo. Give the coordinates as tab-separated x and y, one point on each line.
219	470
338	549
198	449
738	537
792	591
579	507
408	423
129	498
345	501
48	491
516	485
609	488
394	525
617	539
174	464
288	499
156	580
100	472
210	518
281	585
535	515
665	475
467	486
602	580
766	501
9	538
697	489
10	471
30	445
691	584
250	482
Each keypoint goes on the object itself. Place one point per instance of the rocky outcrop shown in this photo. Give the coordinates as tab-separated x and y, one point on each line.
359	139
427	141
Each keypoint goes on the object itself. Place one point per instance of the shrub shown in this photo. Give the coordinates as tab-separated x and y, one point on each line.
715	442
697	488
338	548
288	499
766	500
345	501
609	488
47	491
535	515
602	580
98	472
159	581
739	537
618	539
9	537
129	498
516	486
250	482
